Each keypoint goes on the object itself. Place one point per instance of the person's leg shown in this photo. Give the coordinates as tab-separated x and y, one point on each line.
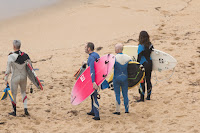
14	87
23	84
117	96
142	91
125	95
95	106
92	106
149	85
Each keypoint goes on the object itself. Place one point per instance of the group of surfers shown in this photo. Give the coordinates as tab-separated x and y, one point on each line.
17	61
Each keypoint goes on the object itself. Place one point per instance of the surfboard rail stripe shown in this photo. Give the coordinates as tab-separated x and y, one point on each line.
33	72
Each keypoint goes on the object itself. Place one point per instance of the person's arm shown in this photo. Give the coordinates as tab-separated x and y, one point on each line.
8	69
92	72
140	53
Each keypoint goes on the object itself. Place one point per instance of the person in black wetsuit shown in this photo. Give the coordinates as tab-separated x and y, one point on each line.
144	51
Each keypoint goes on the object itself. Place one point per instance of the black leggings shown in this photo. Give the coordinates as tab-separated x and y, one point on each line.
147	79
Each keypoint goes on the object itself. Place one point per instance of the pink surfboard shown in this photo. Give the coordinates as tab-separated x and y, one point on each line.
83	87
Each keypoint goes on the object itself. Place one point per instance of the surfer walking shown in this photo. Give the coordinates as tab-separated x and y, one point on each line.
120	79
144	51
16	65
93	56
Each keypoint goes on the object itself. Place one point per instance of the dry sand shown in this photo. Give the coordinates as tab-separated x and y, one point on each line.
54	37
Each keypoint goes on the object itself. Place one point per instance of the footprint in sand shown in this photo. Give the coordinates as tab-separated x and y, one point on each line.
192	73
99	48
102	6
192	63
162	25
79	125
181	116
166	102
196	83
165	13
158	8
173	43
179	82
48	110
177	38
188	33
112	110
141	10
151	121
148	115
196	131
166	112
156	37
169	82
160	29
177	92
73	112
170	49
125	7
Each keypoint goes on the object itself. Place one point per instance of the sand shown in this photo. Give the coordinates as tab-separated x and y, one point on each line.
54	38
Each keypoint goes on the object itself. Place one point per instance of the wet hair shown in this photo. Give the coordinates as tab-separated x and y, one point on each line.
90	45
17	44
144	39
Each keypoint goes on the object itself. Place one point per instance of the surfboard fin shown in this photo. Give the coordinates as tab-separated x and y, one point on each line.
6	92
36	69
104	75
106	62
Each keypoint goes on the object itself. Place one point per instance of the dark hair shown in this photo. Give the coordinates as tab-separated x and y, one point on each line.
144	39
90	45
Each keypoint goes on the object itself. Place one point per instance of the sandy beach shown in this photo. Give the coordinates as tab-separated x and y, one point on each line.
54	38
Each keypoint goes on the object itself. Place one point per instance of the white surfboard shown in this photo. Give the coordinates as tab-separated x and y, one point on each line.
161	60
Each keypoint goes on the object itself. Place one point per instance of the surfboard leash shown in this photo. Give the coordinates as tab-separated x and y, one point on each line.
158	81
